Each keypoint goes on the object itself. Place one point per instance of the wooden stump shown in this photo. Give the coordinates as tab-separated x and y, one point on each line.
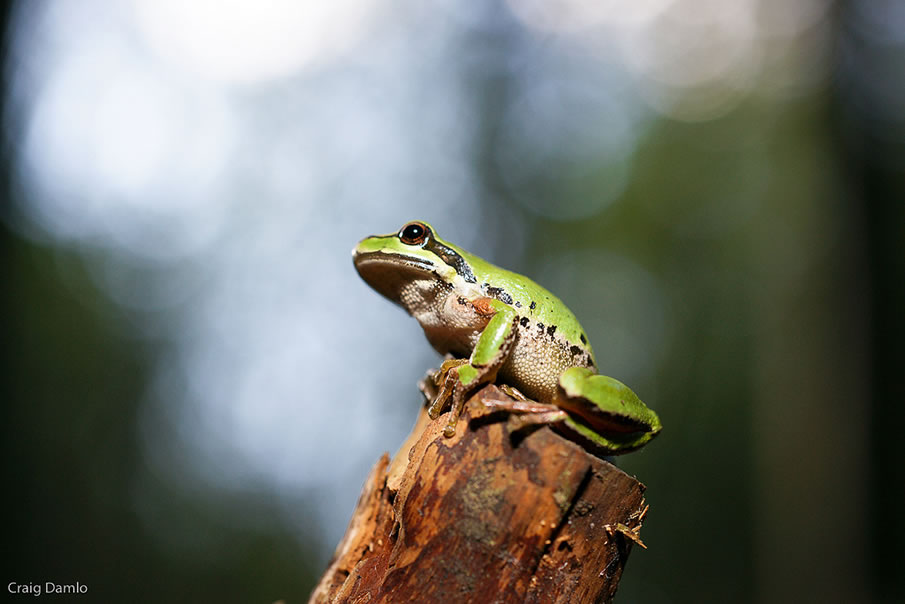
487	516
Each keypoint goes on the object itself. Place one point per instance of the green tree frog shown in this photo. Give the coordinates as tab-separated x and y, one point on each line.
499	325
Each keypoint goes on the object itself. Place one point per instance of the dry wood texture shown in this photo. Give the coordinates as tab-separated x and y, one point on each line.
487	516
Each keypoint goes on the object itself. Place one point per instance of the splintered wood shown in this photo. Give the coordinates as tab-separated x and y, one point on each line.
487	516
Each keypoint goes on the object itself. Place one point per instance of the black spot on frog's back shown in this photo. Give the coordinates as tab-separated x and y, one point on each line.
524	321
551	330
580	357
584	340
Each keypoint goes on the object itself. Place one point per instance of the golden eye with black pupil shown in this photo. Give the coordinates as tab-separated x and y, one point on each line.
414	233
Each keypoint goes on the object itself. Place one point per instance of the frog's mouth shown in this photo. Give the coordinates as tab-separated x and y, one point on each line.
391	275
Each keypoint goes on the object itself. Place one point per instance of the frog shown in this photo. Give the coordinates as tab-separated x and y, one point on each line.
497	326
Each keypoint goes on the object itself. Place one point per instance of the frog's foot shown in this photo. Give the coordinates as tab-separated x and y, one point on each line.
455	410
448	365
456	378
442	385
525	412
514	393
517	422
430	384
525	406
437	386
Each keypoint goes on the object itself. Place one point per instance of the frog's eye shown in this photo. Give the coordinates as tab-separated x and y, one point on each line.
414	233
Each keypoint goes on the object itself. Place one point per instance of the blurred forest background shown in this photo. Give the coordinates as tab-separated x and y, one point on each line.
195	383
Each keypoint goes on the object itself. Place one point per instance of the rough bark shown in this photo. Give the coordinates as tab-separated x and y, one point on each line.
487	516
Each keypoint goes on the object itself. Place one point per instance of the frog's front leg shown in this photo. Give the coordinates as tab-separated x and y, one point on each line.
444	383
490	352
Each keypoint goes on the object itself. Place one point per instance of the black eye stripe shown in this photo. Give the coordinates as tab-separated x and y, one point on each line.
452	258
